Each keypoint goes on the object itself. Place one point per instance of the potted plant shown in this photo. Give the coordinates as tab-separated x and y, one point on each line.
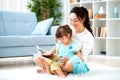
45	9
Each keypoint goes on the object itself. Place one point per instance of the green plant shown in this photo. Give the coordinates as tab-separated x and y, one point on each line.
45	9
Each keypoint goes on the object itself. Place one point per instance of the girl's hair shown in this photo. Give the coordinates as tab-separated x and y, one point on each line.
63	31
82	13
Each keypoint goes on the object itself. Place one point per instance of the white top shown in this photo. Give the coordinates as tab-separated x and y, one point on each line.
86	41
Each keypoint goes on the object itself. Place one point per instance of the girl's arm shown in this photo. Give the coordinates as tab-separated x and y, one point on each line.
53	50
56	55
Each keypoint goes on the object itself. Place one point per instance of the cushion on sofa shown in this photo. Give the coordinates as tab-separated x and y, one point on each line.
52	30
15	41
42	27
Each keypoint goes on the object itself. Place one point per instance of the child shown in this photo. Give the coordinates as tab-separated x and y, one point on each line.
66	49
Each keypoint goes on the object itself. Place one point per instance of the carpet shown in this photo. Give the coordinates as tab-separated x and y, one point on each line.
97	72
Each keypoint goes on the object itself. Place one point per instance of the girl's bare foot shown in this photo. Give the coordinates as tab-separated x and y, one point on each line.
41	71
62	76
65	73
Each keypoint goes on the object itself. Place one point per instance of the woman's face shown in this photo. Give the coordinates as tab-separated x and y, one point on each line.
75	21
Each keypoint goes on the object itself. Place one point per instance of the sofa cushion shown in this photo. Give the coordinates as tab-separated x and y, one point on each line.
21	51
19	23
15	41
42	27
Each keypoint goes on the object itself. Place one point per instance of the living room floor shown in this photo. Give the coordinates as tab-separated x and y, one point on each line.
23	68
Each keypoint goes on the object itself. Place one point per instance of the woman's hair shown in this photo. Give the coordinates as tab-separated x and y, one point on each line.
82	13
63	31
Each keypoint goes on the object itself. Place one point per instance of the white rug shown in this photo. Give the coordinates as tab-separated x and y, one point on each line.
98	72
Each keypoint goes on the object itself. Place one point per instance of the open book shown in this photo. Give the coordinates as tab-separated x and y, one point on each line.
44	53
40	50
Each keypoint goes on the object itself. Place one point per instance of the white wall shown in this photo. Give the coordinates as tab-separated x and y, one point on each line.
65	12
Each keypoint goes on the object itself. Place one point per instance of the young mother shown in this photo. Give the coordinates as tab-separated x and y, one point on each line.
82	33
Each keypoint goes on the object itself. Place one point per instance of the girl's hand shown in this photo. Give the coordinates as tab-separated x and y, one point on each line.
63	60
53	50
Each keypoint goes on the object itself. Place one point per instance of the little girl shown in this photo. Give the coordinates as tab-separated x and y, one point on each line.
67	50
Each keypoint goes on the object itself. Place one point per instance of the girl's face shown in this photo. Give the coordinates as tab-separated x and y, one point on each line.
75	21
64	40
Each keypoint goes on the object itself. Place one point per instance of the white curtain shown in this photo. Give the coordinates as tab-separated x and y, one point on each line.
21	6
14	5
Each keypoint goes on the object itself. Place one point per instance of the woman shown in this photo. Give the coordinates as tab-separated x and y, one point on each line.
82	33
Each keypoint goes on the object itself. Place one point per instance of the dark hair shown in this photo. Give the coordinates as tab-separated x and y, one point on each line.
63	31
82	13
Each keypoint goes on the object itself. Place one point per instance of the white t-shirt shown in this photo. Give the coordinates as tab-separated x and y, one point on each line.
85	40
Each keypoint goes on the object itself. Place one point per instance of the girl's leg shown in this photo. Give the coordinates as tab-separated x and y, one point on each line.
67	67
47	66
40	64
60	73
56	69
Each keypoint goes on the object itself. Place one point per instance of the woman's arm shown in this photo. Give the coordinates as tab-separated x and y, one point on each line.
78	53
